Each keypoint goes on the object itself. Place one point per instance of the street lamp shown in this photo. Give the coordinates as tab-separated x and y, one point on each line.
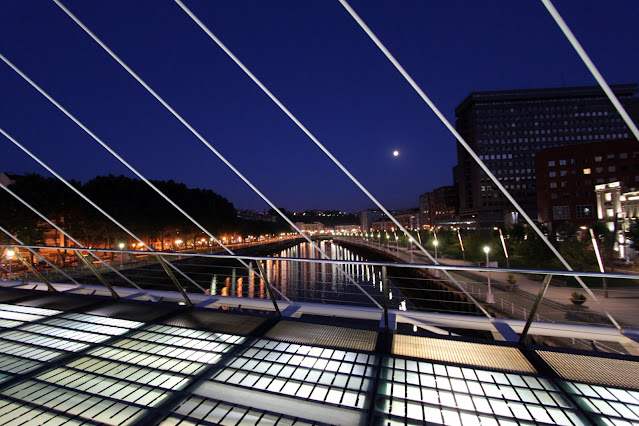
489	297
435	243
10	254
461	244
121	245
595	247
503	244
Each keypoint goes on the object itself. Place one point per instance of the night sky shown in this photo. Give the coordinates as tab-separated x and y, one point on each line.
315	58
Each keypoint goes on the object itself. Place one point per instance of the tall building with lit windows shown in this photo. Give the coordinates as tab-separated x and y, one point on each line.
507	129
567	178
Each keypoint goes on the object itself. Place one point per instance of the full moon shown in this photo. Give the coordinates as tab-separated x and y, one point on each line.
395	153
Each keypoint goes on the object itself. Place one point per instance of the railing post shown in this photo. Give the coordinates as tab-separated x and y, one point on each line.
268	288
34	271
385	284
96	273
540	296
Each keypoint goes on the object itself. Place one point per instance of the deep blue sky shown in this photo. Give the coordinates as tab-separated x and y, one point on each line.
314	57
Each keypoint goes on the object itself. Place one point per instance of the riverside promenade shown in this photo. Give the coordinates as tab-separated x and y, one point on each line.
622	302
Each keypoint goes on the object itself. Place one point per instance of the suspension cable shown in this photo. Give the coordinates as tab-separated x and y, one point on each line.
46	219
472	153
85	198
591	66
202	139
319	144
39	256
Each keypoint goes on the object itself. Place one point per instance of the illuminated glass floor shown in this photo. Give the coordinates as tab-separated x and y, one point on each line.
86	360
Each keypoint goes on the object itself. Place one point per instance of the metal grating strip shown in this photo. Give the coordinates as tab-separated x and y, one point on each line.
493	357
323	335
216	321
595	370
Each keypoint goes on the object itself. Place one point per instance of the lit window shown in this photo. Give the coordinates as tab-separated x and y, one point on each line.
551	163
562	162
612	169
598	158
608	196
587	171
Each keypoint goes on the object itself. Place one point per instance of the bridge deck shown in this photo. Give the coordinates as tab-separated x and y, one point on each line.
69	359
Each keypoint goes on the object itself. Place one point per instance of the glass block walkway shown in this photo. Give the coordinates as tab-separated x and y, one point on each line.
89	360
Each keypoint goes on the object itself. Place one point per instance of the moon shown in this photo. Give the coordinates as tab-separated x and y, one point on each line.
395	153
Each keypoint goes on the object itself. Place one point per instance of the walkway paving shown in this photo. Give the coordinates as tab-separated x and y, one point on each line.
622	303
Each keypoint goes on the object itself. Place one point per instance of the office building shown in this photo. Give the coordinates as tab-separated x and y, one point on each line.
506	129
566	178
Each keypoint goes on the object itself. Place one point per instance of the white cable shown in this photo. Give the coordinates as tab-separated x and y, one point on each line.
105	146
472	153
85	198
317	142
204	141
39	256
591	66
46	219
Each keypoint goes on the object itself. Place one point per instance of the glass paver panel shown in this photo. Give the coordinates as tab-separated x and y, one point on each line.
147	359
134	373
314	373
13	413
42	340
16	365
27	351
114	322
75	403
443	394
66	333
606	404
195	409
29	310
7	323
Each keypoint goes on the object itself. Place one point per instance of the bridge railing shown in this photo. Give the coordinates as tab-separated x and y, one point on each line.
413	294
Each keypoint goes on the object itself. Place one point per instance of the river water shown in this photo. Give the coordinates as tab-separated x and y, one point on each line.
309	282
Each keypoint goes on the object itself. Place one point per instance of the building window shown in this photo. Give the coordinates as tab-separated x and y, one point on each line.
561	212
623	155
612	169
608	196
587	171
553	184
551	163
563	173
562	162
552	174
610	212
584	211
598	158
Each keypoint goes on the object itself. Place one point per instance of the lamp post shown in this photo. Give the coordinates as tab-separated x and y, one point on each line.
461	244
489	297
121	245
595	247
10	254
436	243
503	244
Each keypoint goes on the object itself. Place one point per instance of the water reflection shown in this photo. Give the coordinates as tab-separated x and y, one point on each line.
310	282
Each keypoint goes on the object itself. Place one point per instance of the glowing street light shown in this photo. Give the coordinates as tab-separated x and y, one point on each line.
503	244
10	254
595	247
461	244
489	297
436	244
121	245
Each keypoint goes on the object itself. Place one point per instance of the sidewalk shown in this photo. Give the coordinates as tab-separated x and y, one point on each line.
622	303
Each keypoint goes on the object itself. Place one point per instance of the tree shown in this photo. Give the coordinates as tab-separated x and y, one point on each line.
633	234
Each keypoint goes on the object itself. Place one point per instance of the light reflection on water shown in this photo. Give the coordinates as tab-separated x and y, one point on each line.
310	282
